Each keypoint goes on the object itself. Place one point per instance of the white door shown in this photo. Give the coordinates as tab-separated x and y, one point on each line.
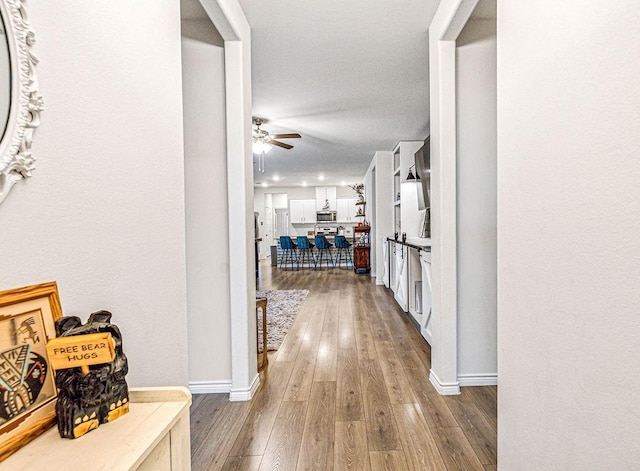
425	324
385	258
282	223
268	224
402	278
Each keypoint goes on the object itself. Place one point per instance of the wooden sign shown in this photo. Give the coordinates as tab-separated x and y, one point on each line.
81	350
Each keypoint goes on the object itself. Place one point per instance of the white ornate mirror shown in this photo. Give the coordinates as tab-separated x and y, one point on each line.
20	102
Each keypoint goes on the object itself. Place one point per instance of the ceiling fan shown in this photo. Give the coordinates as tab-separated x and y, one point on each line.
262	140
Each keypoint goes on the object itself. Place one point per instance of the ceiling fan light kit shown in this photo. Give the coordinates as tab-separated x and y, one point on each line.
263	141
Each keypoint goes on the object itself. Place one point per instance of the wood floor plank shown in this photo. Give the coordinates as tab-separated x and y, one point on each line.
351	451
327	358
196	399
299	386
434	408
346	328
382	434
420	448
316	320
253	437
286	435
238	463
331	303
486	398
214	428
392	460
316	449
478	430
364	341
290	347
398	386
455	449
349	405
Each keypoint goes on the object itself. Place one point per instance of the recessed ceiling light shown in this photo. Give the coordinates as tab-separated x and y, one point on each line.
343	183
276	178
304	183
321	177
264	184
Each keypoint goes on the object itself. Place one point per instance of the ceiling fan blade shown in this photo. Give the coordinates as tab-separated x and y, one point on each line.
279	144
294	135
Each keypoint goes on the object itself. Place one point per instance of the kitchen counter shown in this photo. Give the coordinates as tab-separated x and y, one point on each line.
417	243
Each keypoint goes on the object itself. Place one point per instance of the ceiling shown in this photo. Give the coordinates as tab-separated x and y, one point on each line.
350	80
350	76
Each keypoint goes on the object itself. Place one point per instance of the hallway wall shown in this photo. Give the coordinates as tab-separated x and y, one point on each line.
476	202
568	225
103	214
207	235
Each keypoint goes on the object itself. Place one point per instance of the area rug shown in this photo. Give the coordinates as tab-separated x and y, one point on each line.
282	309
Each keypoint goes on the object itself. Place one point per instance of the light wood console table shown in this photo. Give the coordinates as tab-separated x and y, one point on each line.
154	435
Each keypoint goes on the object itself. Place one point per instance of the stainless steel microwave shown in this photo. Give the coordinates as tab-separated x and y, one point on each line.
326	216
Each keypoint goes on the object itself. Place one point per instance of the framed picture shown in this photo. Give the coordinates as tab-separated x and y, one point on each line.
27	383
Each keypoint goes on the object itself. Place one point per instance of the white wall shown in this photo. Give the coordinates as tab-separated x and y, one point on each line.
369	198
476	197
568	225
103	214
382	216
206	203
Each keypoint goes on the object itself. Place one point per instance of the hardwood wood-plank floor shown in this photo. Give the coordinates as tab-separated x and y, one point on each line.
348	390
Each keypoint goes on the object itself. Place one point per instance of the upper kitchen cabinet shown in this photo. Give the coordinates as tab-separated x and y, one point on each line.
346	208
324	194
302	211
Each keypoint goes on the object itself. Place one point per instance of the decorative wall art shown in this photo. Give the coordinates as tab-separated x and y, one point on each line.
27	385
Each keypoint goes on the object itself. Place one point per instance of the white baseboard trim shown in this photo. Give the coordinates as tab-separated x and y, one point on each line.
209	387
379	282
483	379
444	389
245	394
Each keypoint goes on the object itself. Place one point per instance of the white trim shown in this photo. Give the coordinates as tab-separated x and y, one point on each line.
245	394
228	18
379	282
482	379
444	389
210	387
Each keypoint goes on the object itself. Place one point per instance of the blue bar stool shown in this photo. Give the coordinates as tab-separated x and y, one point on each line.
324	247
344	251
306	247
289	252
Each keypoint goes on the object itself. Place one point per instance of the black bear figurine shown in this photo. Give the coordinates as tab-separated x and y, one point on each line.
87	400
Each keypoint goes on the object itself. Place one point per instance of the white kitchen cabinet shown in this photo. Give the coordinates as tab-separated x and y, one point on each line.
324	193
302	211
346	210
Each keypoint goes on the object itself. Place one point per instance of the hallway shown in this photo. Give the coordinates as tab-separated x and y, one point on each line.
348	389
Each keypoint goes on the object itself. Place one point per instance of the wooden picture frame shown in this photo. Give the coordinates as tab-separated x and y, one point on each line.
27	382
